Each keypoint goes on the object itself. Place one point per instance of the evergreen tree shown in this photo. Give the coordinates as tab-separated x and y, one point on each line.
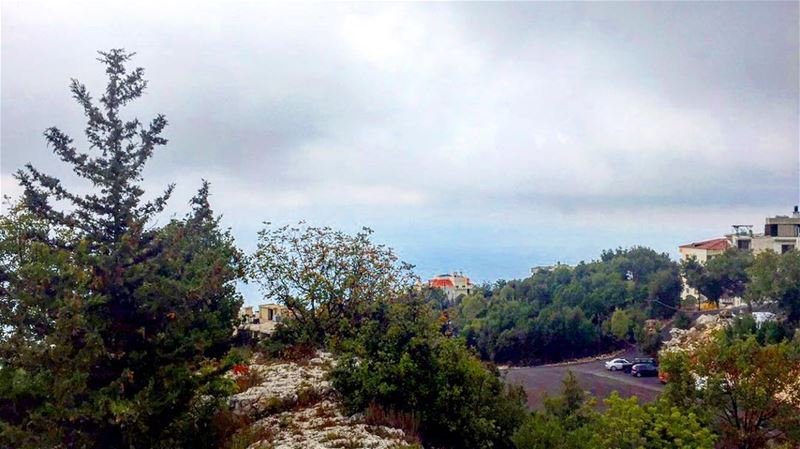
112	328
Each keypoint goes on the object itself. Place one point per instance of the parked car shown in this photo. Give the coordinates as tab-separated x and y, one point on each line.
643	370
648	360
618	365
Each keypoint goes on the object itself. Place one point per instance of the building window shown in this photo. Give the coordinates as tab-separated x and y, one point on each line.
771	230
786	248
743	244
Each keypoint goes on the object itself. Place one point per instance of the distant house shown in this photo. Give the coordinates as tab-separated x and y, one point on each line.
703	252
781	234
265	319
542	268
453	285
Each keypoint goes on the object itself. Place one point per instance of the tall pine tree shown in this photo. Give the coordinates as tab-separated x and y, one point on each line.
111	328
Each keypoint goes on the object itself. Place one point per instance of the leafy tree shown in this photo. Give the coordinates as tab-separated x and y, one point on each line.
112	328
749	390
325	277
564	424
400	362
567	312
664	293
573	423
626	424
574	406
723	275
776	277
621	325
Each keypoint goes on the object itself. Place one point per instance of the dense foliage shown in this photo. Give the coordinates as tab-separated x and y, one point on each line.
765	277
326	278
745	381
724	275
776	277
112	327
571	421
567	312
401	362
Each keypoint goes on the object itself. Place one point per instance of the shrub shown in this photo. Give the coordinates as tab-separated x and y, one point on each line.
682	321
401	363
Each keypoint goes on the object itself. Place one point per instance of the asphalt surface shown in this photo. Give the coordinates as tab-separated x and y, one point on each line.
592	376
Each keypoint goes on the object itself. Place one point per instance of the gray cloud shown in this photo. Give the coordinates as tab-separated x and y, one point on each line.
426	115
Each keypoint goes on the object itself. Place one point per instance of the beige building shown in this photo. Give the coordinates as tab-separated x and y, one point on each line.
703	252
265	319
453	285
781	234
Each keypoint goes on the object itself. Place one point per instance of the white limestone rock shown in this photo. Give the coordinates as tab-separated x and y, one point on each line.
315	422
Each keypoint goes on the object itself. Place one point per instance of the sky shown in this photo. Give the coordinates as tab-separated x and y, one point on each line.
481	137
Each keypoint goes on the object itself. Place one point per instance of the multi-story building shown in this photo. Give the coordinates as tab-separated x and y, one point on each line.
781	234
453	285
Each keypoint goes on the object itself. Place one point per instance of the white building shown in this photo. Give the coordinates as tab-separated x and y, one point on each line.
453	285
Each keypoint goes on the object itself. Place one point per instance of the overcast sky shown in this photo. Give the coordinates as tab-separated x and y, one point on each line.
479	137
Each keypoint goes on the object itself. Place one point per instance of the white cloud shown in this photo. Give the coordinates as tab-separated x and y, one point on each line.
537	114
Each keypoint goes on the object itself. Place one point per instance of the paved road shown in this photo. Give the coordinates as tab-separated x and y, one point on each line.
593	376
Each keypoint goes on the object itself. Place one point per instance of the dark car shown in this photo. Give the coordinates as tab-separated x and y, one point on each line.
647	360
644	370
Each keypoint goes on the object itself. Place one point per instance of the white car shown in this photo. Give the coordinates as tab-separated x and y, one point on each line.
616	364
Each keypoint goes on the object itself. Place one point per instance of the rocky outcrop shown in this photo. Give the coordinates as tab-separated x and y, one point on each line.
704	329
321	426
292	405
283	384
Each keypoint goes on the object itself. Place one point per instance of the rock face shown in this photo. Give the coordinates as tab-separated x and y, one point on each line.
705	326
283	383
323	426
293	406
690	339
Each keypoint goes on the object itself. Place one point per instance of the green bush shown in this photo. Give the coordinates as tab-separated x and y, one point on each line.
403	364
682	321
571	422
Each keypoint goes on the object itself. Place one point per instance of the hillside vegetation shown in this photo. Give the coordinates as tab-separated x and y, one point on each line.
571	312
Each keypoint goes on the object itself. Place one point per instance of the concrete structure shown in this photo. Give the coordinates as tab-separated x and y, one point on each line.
781	234
705	250
265	319
540	268
453	285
